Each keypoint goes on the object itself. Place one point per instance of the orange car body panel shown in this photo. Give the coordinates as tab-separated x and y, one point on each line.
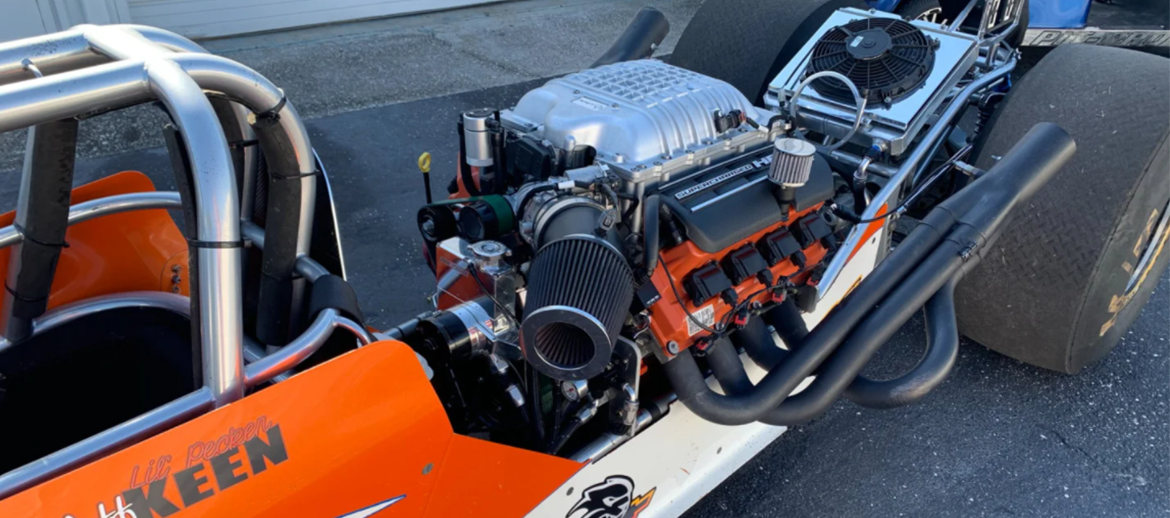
362	429
668	320
132	251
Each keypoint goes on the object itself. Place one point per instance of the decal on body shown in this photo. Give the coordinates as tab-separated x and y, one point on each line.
373	509
612	498
222	463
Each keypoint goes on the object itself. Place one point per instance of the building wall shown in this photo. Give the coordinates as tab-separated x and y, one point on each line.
201	18
210	18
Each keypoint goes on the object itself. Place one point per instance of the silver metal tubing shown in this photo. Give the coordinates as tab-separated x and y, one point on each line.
213	73
254	352
69	94
257	93
905	169
102	207
123	203
606	443
52	53
118	43
178	304
28	65
333	214
178	43
216	219
147	70
962	17
234	80
306	266
104	443
855	161
165	38
304	346
60	316
309	269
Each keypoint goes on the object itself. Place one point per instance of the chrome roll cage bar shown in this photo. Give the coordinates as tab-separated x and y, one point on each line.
92	69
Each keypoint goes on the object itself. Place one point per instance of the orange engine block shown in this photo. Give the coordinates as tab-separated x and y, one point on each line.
709	285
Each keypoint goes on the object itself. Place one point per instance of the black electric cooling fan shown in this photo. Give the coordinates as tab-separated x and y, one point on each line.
885	58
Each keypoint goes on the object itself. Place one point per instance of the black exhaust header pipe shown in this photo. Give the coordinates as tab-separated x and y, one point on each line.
920	267
645	32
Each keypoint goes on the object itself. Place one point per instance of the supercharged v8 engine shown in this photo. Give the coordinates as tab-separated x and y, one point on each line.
621	213
619	217
613	241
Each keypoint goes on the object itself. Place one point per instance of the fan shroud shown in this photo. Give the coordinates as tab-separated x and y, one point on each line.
885	58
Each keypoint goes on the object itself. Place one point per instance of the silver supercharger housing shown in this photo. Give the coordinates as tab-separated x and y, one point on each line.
894	126
648	121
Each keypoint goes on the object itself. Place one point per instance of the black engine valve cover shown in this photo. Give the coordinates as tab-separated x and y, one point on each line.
725	203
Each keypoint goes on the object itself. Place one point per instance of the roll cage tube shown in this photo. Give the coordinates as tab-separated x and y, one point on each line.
91	69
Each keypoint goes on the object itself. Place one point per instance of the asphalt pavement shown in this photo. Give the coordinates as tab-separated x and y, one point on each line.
332	69
998	438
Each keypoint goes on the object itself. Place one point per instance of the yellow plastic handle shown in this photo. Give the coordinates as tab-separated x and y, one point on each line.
424	163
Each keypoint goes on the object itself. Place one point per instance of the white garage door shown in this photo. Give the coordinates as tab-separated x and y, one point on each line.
20	19
206	18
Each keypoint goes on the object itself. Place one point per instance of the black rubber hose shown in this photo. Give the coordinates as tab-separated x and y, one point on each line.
644	33
650	239
756	339
613	199
983	211
728	368
786	319
942	349
281	229
859	203
226	114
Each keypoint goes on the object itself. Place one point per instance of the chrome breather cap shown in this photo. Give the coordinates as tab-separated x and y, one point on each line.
792	161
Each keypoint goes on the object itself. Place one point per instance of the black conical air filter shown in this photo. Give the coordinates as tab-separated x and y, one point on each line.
579	294
886	58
